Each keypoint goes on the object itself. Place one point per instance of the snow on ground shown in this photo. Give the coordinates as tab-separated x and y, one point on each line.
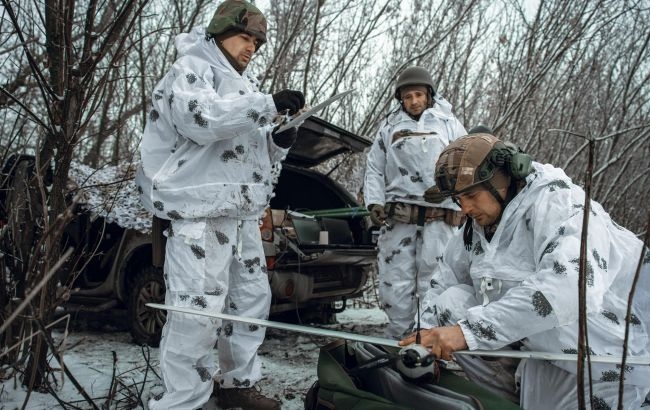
289	366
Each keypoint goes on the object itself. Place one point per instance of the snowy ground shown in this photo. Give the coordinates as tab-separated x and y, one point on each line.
289	361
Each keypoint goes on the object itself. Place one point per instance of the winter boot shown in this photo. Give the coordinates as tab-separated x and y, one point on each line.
247	399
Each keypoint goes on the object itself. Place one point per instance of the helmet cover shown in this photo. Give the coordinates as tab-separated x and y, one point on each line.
465	163
238	15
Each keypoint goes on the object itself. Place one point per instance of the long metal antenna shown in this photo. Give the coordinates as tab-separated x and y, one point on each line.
417	299
515	354
419	234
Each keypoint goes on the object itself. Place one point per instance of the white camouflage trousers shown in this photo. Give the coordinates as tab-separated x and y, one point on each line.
544	386
215	265
539	385
405	253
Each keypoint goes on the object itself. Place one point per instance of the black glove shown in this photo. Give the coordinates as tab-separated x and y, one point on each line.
378	214
286	138
288	100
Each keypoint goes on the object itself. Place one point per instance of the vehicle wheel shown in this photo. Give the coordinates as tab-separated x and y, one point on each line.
147	323
323	314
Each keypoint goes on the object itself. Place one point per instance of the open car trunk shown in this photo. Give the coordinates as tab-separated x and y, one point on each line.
321	247
307	192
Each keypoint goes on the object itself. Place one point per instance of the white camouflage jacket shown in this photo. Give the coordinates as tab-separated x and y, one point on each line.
523	284
206	149
400	168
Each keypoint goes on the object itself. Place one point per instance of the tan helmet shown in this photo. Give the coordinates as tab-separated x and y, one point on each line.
238	15
474	159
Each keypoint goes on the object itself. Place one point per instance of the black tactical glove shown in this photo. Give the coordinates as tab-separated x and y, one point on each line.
286	138
378	214
288	100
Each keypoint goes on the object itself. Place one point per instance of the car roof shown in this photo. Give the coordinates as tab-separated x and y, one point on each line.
319	140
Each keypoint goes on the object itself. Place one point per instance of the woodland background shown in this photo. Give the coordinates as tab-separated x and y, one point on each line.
76	78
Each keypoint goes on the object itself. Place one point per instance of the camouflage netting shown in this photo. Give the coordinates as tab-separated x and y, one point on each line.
110	193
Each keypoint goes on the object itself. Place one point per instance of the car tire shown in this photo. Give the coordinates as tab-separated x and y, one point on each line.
146	323
322	314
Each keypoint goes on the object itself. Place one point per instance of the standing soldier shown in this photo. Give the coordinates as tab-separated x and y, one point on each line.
399	169
209	160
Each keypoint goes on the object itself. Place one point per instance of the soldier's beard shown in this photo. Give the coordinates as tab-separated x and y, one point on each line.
233	61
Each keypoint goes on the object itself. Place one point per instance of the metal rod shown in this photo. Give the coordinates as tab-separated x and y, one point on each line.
515	354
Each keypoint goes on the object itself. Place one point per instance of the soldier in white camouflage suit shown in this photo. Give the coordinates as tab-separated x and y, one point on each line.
510	280
399	169
209	160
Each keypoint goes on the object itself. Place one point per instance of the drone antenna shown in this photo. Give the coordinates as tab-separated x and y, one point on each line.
418	235
417	329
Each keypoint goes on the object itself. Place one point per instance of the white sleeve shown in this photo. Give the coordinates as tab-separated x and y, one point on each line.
374	186
451	292
202	115
454	267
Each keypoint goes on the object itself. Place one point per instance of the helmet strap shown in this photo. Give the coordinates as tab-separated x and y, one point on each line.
468	233
510	194
430	98
489	231
495	194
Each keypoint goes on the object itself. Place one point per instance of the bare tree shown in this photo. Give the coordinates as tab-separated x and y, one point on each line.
69	50
579	77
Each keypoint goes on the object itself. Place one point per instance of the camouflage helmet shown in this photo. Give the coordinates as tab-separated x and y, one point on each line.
414	75
474	159
238	15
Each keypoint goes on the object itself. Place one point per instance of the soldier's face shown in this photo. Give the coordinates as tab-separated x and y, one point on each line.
480	205
241	47
415	99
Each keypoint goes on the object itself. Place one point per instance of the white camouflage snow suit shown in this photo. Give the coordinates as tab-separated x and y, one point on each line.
208	165
399	168
522	287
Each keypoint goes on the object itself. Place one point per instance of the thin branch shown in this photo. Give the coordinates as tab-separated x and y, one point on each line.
31	115
583	334
59	357
617	133
35	290
628	316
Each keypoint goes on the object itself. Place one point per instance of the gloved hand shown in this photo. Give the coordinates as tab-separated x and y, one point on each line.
286	138
289	100
377	214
